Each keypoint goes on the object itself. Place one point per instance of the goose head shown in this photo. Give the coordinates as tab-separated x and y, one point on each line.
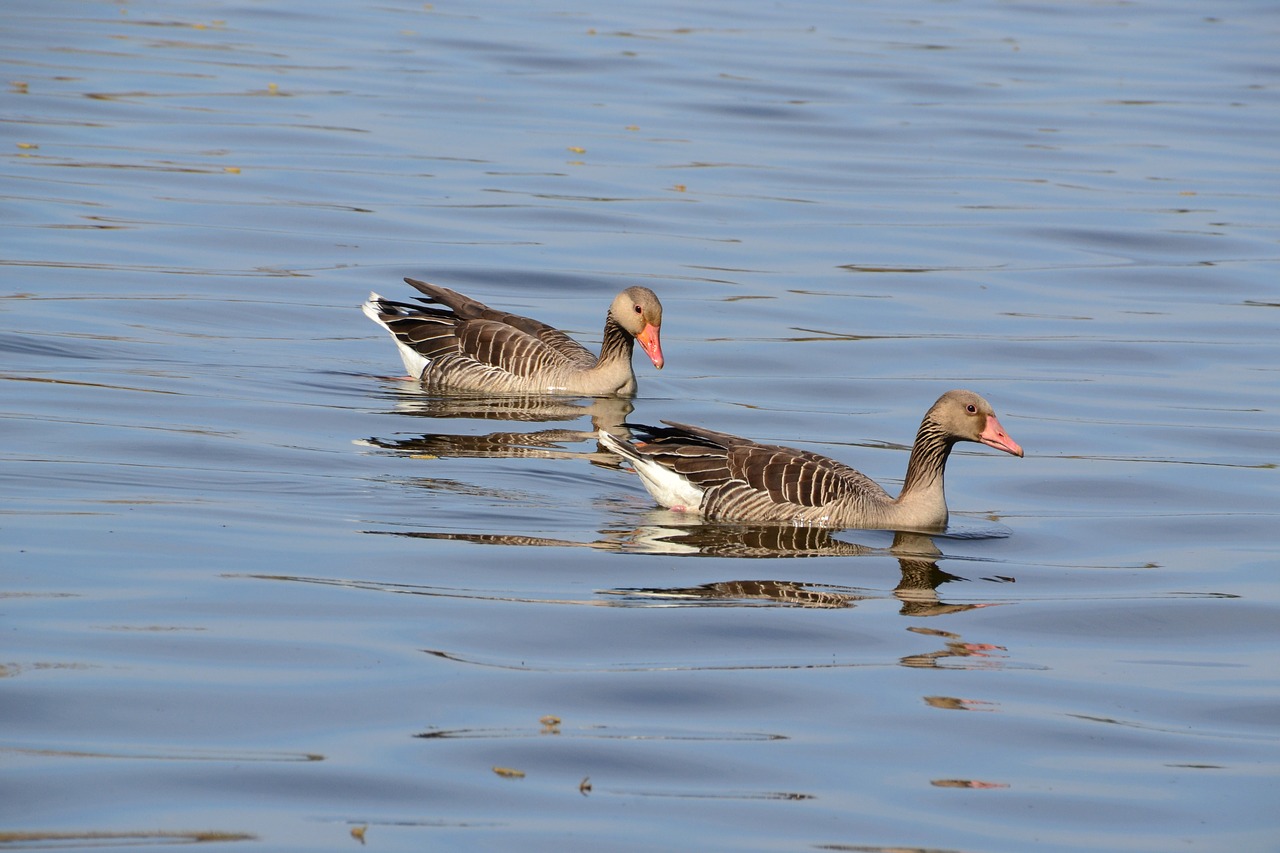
638	311
966	416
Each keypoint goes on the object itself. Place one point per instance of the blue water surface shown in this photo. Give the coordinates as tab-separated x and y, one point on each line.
260	591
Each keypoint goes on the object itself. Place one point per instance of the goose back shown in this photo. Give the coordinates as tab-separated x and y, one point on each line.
740	479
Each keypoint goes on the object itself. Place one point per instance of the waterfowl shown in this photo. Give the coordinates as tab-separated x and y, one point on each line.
728	478
452	342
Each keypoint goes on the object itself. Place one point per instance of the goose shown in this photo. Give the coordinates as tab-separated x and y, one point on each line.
727	478
452	342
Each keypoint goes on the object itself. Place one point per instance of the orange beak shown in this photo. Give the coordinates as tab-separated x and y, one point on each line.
995	436
648	339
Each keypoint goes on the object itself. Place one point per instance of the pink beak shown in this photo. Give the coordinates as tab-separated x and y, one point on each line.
648	339
995	436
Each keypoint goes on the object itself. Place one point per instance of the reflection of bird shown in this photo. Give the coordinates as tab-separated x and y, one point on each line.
725	477
543	444
955	649
917	555
918	590
781	593
453	342
760	540
606	413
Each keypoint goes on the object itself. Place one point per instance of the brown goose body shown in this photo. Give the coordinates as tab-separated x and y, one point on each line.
728	478
454	343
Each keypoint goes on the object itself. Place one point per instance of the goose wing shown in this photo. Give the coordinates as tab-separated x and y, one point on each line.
520	345
739	469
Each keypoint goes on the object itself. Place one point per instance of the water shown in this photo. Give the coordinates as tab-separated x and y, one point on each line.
259	592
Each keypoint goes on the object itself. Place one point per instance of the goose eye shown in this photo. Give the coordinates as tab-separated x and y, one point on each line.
971	409
639	310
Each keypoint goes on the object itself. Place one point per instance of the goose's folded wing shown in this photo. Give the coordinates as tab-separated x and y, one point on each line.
797	477
502	345
468	310
432	335
770	473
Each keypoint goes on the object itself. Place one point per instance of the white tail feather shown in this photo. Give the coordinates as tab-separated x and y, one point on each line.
672	490
415	364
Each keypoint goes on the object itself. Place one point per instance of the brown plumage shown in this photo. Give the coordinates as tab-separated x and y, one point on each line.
725	477
452	342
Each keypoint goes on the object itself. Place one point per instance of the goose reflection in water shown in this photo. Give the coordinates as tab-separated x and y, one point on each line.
605	413
916	553
917	556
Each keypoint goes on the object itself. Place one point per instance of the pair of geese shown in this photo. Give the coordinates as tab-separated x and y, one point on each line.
453	343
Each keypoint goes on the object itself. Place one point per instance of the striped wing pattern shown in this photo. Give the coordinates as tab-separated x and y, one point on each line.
743	479
501	338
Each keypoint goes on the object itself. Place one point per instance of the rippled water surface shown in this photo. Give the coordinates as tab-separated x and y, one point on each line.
260	592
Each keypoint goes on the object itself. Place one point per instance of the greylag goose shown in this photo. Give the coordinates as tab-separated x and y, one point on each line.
728	478
453	342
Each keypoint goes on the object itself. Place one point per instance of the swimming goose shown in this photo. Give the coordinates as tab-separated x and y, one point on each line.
464	345
728	478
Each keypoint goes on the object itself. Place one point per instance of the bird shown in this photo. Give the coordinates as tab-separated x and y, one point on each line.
452	342
725	477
